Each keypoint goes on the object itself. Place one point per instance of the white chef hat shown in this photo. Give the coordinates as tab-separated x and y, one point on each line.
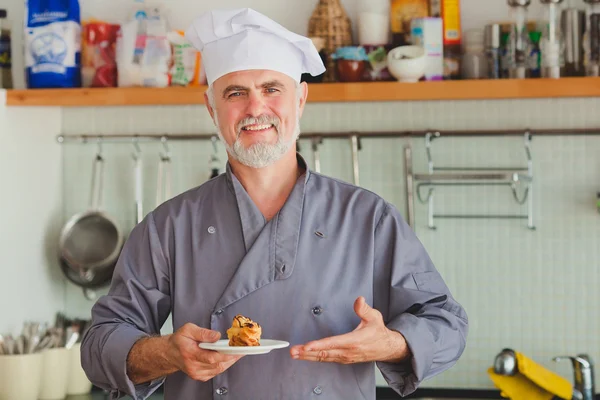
243	39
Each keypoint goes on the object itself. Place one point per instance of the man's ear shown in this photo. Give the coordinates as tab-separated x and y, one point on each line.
303	97
209	108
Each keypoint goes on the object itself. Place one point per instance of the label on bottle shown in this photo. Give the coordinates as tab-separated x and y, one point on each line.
5	55
534	62
451	17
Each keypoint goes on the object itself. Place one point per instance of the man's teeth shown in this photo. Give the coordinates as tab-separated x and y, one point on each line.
257	127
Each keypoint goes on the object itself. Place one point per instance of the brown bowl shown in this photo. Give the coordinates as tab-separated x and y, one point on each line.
350	70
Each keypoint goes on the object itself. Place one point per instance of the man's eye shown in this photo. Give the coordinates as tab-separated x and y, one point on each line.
234	94
272	90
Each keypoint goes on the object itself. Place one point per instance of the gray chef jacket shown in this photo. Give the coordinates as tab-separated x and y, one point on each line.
209	254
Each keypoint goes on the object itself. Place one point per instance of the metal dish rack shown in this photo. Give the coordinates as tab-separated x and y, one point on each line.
438	176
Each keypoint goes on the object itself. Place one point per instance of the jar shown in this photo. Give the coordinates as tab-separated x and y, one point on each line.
474	60
6	81
373	22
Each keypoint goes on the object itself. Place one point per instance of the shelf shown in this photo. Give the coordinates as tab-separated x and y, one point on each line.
322	92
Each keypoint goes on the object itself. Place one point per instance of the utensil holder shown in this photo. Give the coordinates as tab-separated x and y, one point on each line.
55	374
78	382
20	376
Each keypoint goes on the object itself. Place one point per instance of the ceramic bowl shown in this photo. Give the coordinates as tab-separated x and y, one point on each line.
407	63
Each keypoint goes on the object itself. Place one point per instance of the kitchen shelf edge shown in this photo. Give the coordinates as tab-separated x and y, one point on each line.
321	92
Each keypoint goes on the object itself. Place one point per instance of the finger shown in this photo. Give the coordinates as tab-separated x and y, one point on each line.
364	311
333	356
200	334
345	341
213	357
204	372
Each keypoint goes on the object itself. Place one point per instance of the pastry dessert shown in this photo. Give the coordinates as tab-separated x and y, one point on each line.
244	332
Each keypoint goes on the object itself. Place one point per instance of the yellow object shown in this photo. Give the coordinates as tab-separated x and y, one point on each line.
532	382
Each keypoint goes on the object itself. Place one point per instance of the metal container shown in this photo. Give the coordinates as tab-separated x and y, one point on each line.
573	28
493	50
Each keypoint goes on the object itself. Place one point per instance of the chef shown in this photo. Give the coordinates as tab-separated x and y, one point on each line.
331	268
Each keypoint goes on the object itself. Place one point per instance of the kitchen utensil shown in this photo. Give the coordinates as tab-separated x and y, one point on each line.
91	241
355	168
519	42
214	159
137	173
505	363
72	339
316	155
163	183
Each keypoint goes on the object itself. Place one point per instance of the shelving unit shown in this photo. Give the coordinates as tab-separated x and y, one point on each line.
321	92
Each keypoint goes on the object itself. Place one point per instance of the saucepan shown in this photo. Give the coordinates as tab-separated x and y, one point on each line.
91	241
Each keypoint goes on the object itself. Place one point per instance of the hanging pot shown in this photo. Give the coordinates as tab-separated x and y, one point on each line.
91	241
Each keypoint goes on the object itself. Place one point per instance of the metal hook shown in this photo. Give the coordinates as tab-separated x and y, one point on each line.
429	193
213	157
528	145
166	156
214	141
522	201
428	139
137	149
99	149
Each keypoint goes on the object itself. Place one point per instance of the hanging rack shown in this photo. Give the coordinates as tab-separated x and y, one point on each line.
359	134
468	176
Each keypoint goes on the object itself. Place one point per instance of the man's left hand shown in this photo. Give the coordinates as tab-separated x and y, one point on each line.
370	341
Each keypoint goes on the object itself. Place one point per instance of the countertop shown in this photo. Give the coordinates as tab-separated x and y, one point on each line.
383	393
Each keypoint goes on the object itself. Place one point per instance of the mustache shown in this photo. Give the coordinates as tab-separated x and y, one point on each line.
260	120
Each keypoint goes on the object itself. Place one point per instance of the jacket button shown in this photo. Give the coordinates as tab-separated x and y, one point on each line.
317	390
317	310
221	391
218	312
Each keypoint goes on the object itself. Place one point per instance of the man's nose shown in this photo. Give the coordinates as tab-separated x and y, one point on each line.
256	104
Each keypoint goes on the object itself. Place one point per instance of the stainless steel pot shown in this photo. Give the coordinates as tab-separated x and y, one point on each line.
91	241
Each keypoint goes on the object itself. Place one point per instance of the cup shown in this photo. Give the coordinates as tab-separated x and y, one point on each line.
55	374
78	382
20	376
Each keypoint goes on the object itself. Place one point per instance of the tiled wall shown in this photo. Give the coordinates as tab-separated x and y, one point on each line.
535	291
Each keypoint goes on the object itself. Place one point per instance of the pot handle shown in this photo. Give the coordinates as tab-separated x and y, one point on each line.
97	178
89	294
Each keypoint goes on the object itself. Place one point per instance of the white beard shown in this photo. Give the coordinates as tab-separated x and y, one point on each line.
260	155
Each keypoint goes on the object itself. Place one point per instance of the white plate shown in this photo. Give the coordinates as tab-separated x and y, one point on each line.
266	345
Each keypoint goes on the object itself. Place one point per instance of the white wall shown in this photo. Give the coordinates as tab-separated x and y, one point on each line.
31	214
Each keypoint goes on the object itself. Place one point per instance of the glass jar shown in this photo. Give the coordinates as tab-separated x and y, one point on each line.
474	60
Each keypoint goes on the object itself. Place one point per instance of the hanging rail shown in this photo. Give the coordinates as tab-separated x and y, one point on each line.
349	134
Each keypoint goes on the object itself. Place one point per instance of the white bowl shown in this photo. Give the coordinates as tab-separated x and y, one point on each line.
407	63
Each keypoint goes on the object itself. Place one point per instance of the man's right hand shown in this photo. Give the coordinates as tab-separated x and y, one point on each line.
199	364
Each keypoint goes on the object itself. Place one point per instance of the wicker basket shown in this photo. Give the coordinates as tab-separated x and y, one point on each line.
330	22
